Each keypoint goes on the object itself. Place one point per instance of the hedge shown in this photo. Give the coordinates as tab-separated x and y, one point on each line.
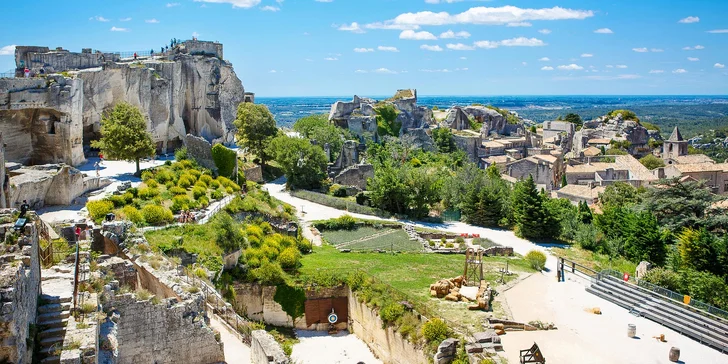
224	159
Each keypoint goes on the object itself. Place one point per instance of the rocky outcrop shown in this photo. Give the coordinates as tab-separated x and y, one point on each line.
615	128
48	120
50	184
457	119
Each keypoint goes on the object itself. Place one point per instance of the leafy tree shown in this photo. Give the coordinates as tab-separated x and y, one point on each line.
256	127
224	159
620	194
228	234
699	250
487	205
612	223
531	217
303	163
317	127
566	215
307	124
652	162
644	240
388	188
425	191
387	123
124	135
654	144
443	140
678	205
574	118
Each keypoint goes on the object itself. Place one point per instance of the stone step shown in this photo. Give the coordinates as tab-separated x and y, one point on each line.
50	324
54	307
55	331
54	299
51	360
52	316
49	341
50	351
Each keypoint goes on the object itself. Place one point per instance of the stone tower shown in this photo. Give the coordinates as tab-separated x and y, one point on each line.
675	146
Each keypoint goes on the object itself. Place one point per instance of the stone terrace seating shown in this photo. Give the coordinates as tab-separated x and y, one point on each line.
706	330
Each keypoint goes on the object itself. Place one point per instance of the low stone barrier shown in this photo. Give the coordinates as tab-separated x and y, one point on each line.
264	349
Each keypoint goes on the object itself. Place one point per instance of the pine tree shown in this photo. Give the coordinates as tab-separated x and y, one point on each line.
644	240
529	213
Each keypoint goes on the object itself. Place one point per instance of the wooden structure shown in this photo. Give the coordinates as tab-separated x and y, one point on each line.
532	355
473	273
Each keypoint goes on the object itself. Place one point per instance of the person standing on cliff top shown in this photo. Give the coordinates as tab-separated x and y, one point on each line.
26	72
135	56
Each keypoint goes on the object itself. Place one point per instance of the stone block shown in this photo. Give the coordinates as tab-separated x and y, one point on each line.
474	348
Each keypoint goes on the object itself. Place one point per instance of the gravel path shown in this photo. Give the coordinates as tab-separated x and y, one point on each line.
235	351
581	337
316	347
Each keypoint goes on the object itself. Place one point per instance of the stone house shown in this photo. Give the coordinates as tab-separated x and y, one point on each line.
715	175
559	130
580	193
468	141
545	169
625	168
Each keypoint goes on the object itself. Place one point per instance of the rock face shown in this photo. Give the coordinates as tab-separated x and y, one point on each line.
49	120
616	128
50	184
457	119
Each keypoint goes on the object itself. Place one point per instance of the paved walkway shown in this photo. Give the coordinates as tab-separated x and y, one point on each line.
581	337
316	347
235	351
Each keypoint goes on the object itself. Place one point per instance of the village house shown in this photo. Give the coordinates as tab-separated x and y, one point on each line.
624	168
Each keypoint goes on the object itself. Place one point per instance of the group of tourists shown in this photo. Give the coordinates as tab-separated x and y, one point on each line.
186	216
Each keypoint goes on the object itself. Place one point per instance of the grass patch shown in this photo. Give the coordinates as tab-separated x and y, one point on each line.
339	203
195	239
595	261
371	238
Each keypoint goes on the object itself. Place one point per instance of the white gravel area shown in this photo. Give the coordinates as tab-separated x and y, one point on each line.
316	347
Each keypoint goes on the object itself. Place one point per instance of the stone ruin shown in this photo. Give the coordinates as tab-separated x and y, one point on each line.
53	117
616	128
348	170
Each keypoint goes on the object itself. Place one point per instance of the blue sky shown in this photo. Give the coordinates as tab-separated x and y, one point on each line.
440	47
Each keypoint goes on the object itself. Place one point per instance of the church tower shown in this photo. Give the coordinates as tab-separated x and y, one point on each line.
675	146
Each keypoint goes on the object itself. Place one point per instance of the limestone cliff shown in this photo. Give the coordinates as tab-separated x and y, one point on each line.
49	119
615	128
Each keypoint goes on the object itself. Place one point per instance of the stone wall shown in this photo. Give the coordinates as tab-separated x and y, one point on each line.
468	144
3	174
264	349
254	174
50	184
201	150
19	290
257	303
389	346
200	47
356	175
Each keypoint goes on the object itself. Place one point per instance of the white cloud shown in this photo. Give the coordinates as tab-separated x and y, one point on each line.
696	48
604	31
331	59
363	50
657	71
544	59
443	70
151	21
361	71
125	19
195	35
621	66
519	24
718	31
353	27
450	34
610	66
324	1
388	49
463	58
460	47
524	63
432	48
679	70
547	68
587	55
245	4
308	60
491	16
640	50
545	31
717	65
389	25
115	29
412	35
656	50
272	71
690	19
513	42
270	8
98	18
171	5
487	44
8	50
570	67
461	69
693	59
385	70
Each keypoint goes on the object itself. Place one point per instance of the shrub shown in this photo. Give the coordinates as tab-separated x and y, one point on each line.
170	184
117	200
229	190
340	192
185	181
147	193
206	179
180	154
536	259
459	240
664	278
203	201
224	159
304	245
289	258
269	274
215	184
133	191
147	175
391	312
152	183
435	330
449	245
345	222
216	194
362	198
198	192
180	202
177	191
98	209
157	215
132	214
164	176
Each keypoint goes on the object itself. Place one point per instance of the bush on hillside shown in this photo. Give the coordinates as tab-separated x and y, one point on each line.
157	215
181	154
132	214
536	259
98	209
224	159
148	193
270	274
435	330
289	258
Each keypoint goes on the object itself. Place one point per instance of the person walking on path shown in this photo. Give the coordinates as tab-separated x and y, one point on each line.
96	165
135	56
78	233
26	72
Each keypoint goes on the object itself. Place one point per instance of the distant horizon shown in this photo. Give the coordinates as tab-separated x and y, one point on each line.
257	96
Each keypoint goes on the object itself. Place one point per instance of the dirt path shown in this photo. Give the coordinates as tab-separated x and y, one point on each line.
235	351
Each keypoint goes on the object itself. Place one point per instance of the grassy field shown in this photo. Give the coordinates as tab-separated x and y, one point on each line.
412	275
383	238
594	260
195	239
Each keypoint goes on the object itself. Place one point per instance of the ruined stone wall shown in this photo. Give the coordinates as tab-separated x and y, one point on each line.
264	349
543	173
469	145
164	333
50	185
19	289
356	175
389	346
201	150
203	48
254	174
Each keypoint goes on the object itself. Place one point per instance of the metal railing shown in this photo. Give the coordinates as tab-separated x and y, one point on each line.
7	75
672	296
221	205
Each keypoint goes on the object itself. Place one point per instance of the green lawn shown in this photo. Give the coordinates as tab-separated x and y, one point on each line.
195	239
412	274
386	239
594	260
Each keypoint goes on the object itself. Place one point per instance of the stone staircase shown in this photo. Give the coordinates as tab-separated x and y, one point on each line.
711	331
52	320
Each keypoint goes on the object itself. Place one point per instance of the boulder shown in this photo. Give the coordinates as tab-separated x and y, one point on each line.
457	119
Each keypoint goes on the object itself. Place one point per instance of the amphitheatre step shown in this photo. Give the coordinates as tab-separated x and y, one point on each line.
49	341
53	323
54	299
54	307
52	316
54	331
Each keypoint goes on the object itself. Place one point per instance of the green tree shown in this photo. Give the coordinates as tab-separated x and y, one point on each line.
303	163
652	162
307	124
486	205
124	135
256	127
387	123
388	189
564	182
574	118
585	213
620	194
228	234
699	250
224	159
678	205
644	240
529	213
566	217
443	140
317	127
